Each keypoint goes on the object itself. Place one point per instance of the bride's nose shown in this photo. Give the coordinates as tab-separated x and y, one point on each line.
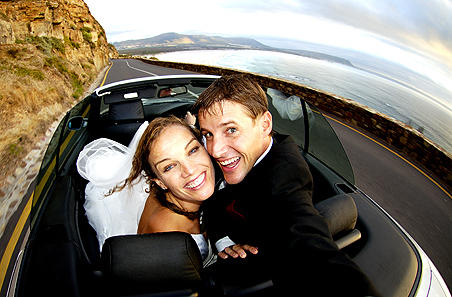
188	168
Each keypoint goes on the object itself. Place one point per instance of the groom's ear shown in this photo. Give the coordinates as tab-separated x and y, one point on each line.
160	184
267	123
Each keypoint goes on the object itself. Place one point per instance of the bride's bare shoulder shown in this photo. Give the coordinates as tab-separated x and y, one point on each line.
161	219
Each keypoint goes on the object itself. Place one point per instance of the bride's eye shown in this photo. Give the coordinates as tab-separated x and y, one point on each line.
168	168
193	150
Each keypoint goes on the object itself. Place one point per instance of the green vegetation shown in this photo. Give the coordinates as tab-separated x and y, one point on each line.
4	16
13	52
44	44
34	73
72	44
20	70
58	64
77	85
87	36
15	148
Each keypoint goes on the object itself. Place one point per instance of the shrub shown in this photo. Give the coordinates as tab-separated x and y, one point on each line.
57	64
13	52
46	44
15	148
34	73
71	43
4	16
87	36
86	33
77	85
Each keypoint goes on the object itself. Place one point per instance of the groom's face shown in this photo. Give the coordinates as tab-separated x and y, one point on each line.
234	139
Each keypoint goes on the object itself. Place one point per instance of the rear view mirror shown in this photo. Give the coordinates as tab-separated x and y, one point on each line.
77	123
172	91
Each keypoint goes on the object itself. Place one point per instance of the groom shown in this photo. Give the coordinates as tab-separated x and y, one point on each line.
266	198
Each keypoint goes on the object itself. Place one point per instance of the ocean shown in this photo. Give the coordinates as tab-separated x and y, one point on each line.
421	111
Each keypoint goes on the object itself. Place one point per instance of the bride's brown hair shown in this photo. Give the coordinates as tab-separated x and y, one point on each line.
142	168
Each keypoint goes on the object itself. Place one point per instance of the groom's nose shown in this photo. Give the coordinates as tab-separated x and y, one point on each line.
217	147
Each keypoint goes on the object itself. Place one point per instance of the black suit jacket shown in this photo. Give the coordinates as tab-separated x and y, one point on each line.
272	209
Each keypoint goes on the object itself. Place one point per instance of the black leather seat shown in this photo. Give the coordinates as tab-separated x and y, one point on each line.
341	214
151	263
124	119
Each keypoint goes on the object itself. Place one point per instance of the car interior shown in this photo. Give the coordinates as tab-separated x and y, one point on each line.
63	252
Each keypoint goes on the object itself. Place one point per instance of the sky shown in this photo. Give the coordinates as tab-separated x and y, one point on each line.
414	33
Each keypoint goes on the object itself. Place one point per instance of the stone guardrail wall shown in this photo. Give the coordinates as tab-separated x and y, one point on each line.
404	138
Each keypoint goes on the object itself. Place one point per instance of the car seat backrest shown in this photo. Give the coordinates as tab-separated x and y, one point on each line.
151	263
124	119
340	211
128	110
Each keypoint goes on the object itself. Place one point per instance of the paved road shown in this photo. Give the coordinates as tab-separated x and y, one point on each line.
422	207
130	68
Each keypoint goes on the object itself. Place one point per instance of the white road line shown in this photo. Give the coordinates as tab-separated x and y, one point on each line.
127	62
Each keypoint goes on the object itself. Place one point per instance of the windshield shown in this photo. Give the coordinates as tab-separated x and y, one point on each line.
310	130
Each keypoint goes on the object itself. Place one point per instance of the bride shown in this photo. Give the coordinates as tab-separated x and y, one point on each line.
157	184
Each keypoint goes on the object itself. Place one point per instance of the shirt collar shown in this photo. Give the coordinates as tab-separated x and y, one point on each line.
265	153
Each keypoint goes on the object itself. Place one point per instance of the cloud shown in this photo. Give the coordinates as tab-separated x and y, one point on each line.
415	24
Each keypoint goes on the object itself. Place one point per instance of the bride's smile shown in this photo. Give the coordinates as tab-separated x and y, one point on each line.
182	166
197	183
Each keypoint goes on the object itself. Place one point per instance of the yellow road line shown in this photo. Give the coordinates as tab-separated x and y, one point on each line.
398	155
106	73
6	259
43	181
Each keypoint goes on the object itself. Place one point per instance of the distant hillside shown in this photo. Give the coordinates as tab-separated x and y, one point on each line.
168	41
318	56
171	42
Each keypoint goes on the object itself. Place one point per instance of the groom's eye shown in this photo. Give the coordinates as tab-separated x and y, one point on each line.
232	130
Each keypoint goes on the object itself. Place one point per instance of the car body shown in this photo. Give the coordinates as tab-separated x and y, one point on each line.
62	258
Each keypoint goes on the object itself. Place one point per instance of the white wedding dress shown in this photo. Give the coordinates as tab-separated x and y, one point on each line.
105	164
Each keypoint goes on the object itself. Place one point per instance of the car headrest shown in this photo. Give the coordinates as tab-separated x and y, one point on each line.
129	110
340	212
149	263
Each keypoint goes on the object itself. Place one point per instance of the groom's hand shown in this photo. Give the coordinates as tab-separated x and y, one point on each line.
238	250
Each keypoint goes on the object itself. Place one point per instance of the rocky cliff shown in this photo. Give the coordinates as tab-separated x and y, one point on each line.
69	21
50	52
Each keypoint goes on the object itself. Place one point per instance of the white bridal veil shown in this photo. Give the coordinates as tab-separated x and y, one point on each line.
106	163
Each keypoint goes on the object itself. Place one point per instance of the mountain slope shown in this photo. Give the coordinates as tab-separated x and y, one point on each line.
180	40
50	51
169	42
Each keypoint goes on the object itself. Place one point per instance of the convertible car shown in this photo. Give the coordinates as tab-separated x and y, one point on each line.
62	256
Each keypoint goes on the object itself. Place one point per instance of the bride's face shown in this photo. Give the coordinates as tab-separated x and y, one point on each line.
183	166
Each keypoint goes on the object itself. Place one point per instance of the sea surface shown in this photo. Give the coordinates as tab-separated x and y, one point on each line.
413	107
